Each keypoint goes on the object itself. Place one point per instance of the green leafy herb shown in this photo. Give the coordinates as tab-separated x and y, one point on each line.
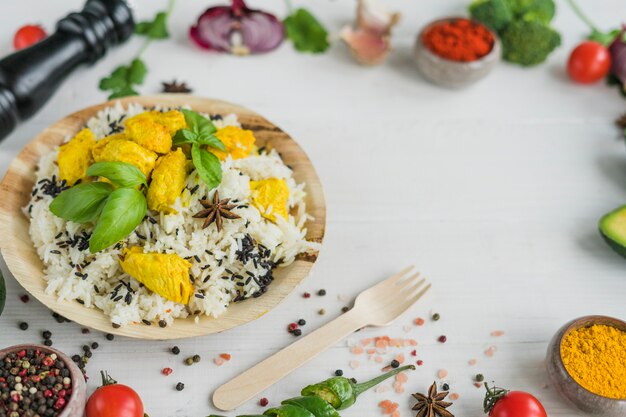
306	32
207	165
122	212
124	79
154	29
81	203
121	174
604	38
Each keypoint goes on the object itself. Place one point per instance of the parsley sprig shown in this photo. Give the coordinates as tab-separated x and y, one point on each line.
200	131
305	31
124	79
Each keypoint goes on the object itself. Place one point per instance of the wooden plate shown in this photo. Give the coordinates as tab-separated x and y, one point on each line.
24	263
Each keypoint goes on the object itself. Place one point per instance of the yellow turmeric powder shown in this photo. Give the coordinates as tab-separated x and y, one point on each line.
595	357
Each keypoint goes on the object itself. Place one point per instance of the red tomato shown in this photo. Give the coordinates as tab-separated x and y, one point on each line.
28	35
114	400
517	404
589	62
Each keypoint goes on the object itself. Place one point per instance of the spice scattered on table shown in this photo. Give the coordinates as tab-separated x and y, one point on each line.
442	339
25	298
479	378
23	326
436	317
419	321
110	337
175	87
167	371
321	292
460	40
497	333
433	404
306	295
595	357
441	374
175	350
263	402
180	386
34	380
490	351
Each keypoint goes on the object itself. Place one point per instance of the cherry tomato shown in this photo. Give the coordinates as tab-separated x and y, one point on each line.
114	400
589	62
518	404
28	35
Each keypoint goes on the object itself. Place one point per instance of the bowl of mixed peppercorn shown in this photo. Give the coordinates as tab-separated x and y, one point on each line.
38	381
456	52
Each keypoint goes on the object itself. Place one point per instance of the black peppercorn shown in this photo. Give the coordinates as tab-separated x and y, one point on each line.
297	332
321	292
109	336
338	372
47	342
95	345
175	350
445	387
301	322
24	325
46	334
180	386
196	358
395	363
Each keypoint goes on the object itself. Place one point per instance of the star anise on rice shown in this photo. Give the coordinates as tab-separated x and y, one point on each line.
432	405
175	87
621	122
215	211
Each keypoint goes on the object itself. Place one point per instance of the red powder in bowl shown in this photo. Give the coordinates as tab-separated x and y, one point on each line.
459	40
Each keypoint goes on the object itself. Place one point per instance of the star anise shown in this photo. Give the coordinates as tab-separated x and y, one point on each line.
175	87
432	405
621	122
216	210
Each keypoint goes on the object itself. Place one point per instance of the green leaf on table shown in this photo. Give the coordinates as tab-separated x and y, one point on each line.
154	29
306	32
208	166
121	174
123	210
121	81
81	203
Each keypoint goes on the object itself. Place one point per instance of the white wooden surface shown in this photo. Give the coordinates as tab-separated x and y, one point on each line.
494	192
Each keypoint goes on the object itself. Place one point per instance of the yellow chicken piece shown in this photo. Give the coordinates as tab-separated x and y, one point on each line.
145	130
168	181
119	150
173	120
238	142
75	157
97	149
166	274
271	196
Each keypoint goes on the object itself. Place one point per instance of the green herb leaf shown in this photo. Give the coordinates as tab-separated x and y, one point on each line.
207	165
122	212
198	123
306	32
211	141
184	136
154	29
121	174
199	130
81	203
123	78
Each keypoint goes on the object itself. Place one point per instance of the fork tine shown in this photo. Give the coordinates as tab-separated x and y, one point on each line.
401	285
412	286
413	299
395	278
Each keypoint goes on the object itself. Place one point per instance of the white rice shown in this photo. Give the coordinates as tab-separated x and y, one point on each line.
221	274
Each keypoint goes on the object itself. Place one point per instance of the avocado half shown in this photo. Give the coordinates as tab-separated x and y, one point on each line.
613	229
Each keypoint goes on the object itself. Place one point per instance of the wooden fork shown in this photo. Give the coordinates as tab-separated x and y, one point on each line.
376	306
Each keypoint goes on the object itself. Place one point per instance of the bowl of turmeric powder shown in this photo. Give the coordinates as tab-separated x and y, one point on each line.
586	364
456	52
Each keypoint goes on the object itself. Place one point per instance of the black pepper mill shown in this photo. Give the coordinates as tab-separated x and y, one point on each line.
29	77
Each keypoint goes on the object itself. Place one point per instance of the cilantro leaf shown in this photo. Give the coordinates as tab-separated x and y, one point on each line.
121	81
306	32
154	29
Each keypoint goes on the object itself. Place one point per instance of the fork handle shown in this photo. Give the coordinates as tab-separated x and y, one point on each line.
266	373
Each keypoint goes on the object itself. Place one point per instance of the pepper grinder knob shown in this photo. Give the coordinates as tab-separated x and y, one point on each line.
29	77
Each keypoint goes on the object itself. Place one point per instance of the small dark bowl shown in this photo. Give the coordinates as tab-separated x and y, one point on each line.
453	74
567	387
75	407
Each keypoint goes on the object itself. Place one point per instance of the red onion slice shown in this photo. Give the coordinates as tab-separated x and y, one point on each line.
237	29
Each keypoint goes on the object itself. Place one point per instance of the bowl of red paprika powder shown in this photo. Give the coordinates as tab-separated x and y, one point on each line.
456	52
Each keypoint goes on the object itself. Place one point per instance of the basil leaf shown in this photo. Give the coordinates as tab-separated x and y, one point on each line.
208	166
306	32
198	123
81	203
184	136
123	211
212	141
155	29
121	174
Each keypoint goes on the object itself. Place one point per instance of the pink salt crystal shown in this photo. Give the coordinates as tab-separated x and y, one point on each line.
471	362
402	378
497	333
442	374
379	359
454	396
400	358
218	361
413	342
357	350
478	385
399	389
371	351
366	342
490	351
395	414
355	364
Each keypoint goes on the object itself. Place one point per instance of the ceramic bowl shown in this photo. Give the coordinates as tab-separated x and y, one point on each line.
75	407
453	74
567	387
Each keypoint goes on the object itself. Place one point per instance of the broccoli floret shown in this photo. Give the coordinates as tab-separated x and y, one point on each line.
495	14
528	43
532	10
